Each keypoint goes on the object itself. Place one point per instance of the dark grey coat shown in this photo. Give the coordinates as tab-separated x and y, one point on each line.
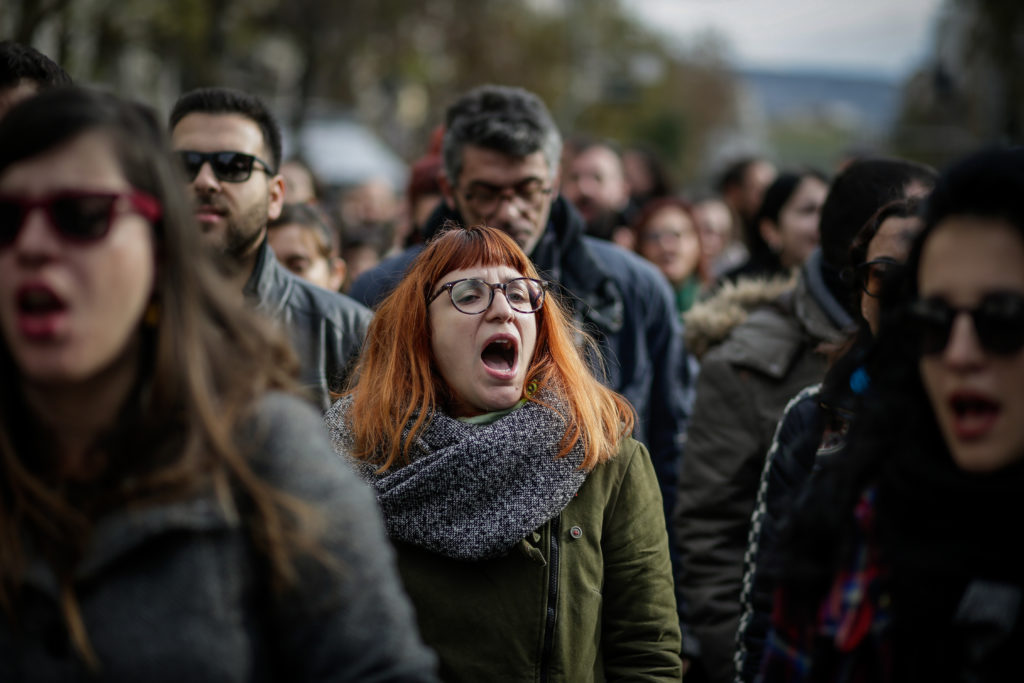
743	387
326	329
177	592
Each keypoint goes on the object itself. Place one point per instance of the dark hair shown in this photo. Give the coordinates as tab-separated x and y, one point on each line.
775	198
508	120
24	63
934	522
907	207
204	364
228	101
309	216
735	173
661	181
781	191
856	193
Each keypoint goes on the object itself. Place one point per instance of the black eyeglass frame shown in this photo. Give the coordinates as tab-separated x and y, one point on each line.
892	266
491	286
493	195
211	158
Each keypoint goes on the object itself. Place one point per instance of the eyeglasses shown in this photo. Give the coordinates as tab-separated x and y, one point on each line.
228	167
473	297
670	238
485	198
81	217
874	274
998	322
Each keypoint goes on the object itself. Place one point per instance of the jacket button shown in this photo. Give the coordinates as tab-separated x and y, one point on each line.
575	532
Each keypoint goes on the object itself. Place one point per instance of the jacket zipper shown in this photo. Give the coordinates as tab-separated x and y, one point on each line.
549	628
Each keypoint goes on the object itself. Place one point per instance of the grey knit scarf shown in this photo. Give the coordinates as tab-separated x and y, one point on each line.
472	492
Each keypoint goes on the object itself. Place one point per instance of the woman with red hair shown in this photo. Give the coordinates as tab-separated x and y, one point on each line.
667	235
527	521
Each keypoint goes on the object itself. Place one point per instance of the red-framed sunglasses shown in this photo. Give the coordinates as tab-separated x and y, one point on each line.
78	216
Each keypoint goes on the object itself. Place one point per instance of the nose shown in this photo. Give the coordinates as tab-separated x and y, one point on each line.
500	308
37	241
205	179
963	350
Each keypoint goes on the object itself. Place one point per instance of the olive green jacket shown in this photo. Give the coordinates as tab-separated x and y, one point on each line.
586	597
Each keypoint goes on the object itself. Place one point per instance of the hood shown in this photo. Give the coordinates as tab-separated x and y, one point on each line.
709	322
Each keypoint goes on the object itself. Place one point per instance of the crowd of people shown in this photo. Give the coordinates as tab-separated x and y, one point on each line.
554	420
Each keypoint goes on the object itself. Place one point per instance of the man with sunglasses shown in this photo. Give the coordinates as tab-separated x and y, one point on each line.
230	149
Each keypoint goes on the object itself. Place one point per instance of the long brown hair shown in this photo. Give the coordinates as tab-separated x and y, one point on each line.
398	382
205	364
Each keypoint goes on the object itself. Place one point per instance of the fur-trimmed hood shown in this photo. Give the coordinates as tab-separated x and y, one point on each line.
709	322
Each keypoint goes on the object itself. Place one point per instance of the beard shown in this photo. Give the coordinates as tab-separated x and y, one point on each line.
241	232
244	232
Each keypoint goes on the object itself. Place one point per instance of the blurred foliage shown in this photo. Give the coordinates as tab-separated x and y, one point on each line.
396	65
971	91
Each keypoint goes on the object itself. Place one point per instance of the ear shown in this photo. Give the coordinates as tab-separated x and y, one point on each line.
276	199
447	191
770	234
338	269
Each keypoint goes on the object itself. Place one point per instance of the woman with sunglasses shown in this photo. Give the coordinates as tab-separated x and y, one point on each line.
904	563
815	424
528	523
167	510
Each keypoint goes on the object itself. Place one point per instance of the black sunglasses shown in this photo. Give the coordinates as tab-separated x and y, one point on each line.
77	216
228	167
998	322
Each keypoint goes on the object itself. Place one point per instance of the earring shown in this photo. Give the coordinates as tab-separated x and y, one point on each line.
531	389
151	317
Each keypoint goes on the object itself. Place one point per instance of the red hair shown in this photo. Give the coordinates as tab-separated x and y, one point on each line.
398	382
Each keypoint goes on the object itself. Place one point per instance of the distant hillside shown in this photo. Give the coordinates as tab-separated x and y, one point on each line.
870	103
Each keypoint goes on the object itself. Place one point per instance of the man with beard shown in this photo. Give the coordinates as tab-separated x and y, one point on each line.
230	147
596	185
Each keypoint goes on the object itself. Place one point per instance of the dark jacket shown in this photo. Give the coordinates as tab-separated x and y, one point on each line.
326	328
586	597
177	591
787	467
744	384
616	296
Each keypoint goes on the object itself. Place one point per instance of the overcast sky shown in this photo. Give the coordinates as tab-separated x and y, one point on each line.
888	37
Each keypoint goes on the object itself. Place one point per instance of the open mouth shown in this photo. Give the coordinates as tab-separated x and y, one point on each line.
39	301
973	415
40	312
500	355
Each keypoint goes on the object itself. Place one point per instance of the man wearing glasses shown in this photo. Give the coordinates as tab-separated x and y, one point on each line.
230	148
